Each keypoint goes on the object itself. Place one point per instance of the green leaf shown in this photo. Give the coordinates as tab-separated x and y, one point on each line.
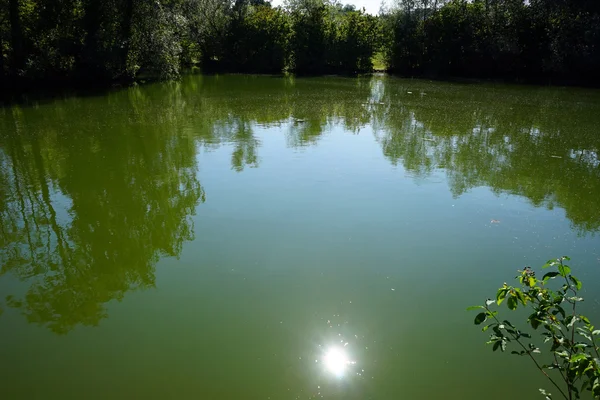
566	258
485	328
534	321
550	275
585	335
497	345
590	366
497	330
512	303
501	295
596	332
558	298
576	282
585	319
596	387
577	357
549	263
489	302
520	296
507	322
564	270
480	318
475	308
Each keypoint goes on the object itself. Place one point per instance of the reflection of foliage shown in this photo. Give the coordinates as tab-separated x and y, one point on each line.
94	191
89	209
231	107
240	133
128	201
502	137
541	145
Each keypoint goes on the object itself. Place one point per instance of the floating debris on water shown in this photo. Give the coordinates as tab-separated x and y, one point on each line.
495	221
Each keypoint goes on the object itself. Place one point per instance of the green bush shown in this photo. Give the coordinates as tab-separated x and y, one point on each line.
571	340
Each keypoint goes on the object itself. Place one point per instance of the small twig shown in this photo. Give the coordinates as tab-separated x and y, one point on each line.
516	339
559	370
573	316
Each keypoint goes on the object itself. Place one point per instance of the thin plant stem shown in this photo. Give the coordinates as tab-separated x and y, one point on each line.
560	370
573	316
595	348
516	339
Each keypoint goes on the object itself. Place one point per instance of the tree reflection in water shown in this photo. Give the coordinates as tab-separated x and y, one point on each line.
94	191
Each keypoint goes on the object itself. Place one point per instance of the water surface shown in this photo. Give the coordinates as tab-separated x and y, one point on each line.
238	237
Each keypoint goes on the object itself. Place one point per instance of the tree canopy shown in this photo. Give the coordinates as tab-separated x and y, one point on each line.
107	41
510	39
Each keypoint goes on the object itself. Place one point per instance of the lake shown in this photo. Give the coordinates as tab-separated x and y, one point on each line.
257	237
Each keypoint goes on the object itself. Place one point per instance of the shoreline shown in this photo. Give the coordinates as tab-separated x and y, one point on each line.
26	91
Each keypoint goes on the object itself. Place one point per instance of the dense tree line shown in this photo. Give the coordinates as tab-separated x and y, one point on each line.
120	40
510	39
104	41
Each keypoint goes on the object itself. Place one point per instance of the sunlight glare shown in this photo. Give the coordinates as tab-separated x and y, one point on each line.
336	361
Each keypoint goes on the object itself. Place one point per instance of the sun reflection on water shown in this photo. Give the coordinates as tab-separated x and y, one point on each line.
337	361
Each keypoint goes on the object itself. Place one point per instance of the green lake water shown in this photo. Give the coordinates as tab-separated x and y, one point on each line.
228	237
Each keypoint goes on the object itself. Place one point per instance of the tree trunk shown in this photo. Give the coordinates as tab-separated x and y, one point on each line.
16	37
90	57
1	58
126	31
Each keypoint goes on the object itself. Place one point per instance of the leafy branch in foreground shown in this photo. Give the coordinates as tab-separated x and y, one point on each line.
572	364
